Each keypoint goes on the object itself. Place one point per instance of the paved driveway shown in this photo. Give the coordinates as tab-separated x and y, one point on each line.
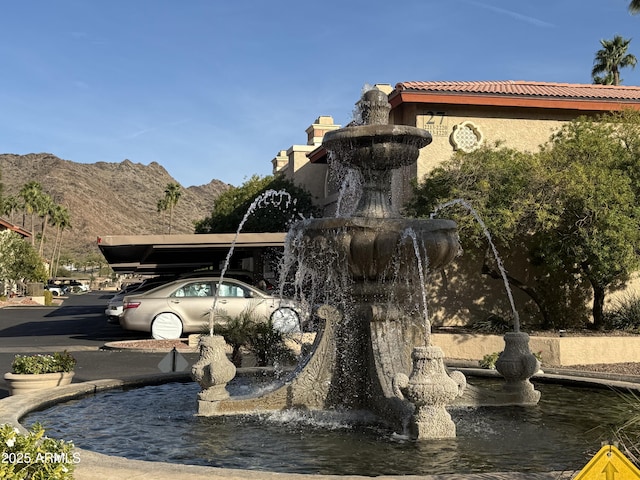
79	326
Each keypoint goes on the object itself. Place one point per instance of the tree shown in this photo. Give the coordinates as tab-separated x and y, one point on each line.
573	206
282	203
31	193
610	59
10	205
634	7
60	219
18	260
595	226
45	207
172	193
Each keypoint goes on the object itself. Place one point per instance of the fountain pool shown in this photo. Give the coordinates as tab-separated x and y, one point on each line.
555	435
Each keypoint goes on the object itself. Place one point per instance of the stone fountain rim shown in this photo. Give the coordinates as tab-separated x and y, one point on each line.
14	408
376	134
396	224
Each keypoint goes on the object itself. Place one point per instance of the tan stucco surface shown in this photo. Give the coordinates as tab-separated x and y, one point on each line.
555	351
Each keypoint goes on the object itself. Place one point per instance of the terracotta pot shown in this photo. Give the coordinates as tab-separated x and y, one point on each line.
20	383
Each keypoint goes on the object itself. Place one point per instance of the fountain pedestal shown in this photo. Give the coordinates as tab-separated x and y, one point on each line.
212	371
517	364
430	389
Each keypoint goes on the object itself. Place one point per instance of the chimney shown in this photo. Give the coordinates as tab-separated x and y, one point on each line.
317	130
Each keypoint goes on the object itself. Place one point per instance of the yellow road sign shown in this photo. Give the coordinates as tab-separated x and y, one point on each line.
609	464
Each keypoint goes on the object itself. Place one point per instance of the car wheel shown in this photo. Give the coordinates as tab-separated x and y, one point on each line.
54	293
285	320
166	326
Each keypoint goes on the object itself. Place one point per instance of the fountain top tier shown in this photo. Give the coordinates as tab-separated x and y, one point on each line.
375	149
375	144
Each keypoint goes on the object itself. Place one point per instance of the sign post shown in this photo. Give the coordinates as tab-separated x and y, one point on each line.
173	362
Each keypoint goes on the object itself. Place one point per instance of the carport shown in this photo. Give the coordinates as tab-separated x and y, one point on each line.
175	254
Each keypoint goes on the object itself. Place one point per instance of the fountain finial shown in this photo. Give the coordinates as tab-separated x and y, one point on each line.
374	107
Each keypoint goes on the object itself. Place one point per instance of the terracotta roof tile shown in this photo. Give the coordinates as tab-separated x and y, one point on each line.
520	88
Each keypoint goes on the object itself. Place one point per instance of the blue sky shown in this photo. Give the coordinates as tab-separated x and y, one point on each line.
213	89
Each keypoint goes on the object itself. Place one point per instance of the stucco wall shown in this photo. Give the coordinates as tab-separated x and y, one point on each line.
524	130
555	351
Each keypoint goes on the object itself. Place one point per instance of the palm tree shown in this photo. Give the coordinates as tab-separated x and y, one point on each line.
610	59
59	219
172	194
9	206
30	194
634	7
162	209
45	208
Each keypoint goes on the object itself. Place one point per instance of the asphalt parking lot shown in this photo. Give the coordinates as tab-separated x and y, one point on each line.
79	326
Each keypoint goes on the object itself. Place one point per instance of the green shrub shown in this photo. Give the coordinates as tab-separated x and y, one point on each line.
48	298
624	314
249	331
489	360
268	345
492	324
34	456
33	364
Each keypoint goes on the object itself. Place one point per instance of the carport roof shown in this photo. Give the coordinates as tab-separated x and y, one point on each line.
159	254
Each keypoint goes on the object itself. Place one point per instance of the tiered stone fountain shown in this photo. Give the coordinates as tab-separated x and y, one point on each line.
373	351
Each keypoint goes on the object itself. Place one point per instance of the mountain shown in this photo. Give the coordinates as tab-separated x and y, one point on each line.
106	198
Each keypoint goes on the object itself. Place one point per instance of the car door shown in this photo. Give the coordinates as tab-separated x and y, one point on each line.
192	302
235	299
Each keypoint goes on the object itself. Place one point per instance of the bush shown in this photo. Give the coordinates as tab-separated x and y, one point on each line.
248	331
34	456
492	324
624	314
489	360
48	298
34	364
268	345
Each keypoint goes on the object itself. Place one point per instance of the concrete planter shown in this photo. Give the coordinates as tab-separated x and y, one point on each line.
26	383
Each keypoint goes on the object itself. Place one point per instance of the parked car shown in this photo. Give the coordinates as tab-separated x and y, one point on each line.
75	286
183	306
114	308
56	290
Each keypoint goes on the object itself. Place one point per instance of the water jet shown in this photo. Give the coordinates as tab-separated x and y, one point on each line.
374	351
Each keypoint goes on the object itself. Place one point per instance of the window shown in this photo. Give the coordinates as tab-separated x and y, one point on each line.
231	290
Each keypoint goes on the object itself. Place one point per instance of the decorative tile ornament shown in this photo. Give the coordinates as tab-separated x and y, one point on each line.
466	137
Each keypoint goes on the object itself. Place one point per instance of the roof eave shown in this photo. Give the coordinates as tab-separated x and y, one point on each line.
399	97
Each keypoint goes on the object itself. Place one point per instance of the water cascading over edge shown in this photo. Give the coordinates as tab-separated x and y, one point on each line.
373	334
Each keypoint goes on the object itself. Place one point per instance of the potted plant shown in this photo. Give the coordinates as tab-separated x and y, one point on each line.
35	372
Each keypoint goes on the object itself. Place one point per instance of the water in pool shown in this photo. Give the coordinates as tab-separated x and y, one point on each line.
158	423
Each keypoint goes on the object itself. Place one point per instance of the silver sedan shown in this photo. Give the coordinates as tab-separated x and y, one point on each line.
184	306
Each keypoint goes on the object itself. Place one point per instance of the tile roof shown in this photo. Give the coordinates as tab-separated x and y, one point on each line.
519	88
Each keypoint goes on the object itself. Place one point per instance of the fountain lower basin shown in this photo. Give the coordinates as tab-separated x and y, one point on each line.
161	426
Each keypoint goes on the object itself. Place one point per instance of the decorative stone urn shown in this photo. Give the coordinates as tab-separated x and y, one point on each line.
517	364
430	389
20	383
213	370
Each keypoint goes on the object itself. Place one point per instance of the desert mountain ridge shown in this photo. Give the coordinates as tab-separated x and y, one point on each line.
106	198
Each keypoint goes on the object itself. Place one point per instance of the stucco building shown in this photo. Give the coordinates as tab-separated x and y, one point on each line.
463	116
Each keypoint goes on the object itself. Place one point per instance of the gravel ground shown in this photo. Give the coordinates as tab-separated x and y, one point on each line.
629	368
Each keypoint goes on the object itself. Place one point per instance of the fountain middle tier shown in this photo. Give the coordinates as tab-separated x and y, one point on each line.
368	247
